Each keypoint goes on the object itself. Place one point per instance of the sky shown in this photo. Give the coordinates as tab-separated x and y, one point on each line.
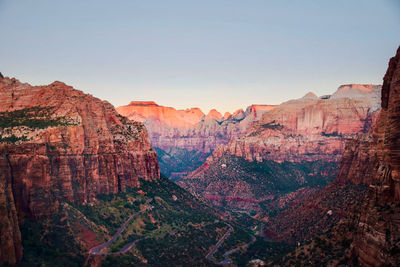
223	54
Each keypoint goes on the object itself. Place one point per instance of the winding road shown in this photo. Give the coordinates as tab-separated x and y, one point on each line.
227	253
97	250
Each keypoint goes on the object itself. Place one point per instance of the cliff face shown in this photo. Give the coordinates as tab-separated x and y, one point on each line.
309	129
59	144
374	159
191	129
367	230
185	138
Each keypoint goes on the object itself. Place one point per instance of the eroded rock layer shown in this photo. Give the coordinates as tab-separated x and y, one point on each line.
368	234
191	129
375	160
59	144
309	129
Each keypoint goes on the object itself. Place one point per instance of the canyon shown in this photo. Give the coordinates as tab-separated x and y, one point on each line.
61	145
75	174
298	144
181	134
374	159
317	179
362	227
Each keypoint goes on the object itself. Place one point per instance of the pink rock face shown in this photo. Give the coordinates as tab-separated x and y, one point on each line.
90	149
304	129
191	129
213	115
226	115
257	110
374	159
341	113
165	115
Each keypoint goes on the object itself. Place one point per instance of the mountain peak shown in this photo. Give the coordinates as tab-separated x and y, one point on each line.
226	115
239	114
310	95
213	114
143	103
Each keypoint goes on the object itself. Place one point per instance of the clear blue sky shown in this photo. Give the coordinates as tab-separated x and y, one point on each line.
225	54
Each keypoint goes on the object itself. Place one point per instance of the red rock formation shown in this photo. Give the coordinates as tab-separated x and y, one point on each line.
374	159
213	115
191	129
10	236
257	110
368	233
163	115
70	147
308	129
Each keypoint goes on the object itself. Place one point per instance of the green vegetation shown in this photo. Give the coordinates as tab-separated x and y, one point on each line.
237	238
273	125
311	215
49	243
179	160
270	252
268	176
35	117
170	226
325	249
12	139
333	134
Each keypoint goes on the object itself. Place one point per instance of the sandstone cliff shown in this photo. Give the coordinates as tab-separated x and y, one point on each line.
191	129
374	159
59	144
309	129
185	138
368	233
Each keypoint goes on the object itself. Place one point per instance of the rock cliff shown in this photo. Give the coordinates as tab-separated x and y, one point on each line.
374	159
179	133
191	129
59	144
309	129
368	232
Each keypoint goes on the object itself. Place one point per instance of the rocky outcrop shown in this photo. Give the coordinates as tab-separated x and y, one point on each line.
191	129
368	232
59	144
374	159
10	236
180	135
306	129
309	129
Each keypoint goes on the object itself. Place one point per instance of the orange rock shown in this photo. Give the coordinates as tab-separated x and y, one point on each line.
374	159
191	129
91	150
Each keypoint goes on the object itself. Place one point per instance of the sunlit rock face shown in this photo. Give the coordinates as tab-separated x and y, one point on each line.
191	129
308	129
367	232
59	144
185	138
